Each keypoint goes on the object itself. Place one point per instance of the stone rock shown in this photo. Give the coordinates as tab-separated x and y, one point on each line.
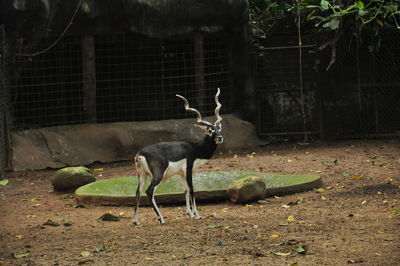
246	189
72	178
30	152
84	144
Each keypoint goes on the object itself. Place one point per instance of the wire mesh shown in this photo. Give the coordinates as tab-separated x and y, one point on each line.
363	92
136	79
358	97
279	96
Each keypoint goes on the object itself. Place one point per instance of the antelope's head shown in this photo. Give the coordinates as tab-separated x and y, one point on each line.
212	130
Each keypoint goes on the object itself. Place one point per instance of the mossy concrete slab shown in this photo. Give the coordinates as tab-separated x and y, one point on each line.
210	186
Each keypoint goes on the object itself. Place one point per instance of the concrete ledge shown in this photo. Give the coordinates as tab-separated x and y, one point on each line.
209	186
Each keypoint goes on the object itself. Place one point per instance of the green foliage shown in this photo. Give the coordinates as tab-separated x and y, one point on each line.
326	15
371	13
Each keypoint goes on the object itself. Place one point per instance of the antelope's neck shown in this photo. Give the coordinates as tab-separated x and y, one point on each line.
206	148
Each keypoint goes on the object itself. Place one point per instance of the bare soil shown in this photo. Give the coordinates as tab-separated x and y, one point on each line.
353	219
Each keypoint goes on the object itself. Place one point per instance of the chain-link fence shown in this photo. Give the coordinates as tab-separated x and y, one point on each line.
279	95
124	77
358	97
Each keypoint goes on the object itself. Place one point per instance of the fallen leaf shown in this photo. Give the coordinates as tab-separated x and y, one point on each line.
389	179
355	261
358	178
395	212
291	218
379	193
123	215
323	198
4	182
18	256
285	206
222	244
364	202
51	223
278	253
67	222
274	236
85	254
19	236
98	169
100	250
301	250
211	226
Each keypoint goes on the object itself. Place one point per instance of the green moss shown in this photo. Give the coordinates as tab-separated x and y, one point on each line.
126	186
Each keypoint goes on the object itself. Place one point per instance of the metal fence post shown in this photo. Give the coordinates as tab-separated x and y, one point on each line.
4	134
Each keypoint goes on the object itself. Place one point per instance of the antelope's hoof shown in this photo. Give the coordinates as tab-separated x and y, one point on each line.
136	223
161	221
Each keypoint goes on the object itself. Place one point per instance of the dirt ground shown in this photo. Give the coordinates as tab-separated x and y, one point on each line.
353	219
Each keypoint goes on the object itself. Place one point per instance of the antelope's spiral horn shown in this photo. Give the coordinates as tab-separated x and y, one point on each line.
189	109
219	118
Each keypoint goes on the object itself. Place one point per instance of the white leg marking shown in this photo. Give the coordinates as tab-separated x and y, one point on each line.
187	197
196	213
160	217
144	172
142	181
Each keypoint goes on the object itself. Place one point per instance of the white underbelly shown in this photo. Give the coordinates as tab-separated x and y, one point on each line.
179	167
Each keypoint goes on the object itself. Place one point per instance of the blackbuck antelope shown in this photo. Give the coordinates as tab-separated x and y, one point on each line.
165	159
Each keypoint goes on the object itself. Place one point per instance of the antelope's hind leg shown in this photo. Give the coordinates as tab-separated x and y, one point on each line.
158	175
142	180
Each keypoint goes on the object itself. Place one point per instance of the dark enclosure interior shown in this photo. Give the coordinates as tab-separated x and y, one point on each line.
136	79
358	97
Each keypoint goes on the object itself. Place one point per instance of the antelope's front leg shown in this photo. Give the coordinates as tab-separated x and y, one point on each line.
192	199
187	198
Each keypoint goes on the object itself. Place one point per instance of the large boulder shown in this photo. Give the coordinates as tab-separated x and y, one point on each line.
84	144
72	178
